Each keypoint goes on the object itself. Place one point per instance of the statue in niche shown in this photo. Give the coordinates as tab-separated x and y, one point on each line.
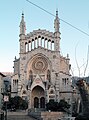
30	78
48	76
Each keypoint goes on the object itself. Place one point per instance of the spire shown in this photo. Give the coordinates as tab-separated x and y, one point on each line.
56	33
56	22
22	25
22	16
56	13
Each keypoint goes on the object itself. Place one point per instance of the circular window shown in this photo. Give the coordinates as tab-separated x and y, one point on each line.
39	64
24	92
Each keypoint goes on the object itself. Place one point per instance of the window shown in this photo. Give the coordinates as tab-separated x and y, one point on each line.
49	44
26	47
64	81
53	45
32	43
39	40
29	45
51	92
36	44
42	41
24	92
46	42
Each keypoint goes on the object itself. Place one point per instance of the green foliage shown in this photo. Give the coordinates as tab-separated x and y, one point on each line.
24	105
16	103
82	117
62	106
52	105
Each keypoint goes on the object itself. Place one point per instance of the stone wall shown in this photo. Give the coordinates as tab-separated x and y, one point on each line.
51	115
45	115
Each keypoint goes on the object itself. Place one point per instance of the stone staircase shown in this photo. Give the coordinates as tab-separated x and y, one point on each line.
19	116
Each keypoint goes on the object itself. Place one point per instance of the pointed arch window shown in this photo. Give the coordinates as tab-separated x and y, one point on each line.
42	102
46	42
53	45
26	47
49	44
36	102
24	92
42	41
36	44
39	40
51	91
33	44
29	45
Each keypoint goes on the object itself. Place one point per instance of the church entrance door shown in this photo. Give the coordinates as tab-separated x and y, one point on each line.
42	102
38	97
36	102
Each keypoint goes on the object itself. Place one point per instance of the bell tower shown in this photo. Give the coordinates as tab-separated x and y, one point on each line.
56	33
22	34
22	42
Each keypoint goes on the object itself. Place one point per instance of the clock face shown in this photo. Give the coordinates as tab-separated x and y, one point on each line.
39	64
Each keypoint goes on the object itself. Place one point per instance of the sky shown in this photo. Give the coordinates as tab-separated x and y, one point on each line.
73	42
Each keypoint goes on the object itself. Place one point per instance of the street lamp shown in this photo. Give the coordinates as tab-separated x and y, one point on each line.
6	99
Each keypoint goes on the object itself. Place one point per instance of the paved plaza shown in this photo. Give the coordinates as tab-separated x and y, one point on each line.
19	116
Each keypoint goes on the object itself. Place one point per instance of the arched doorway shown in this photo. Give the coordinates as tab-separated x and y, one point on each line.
42	102
38	97
36	102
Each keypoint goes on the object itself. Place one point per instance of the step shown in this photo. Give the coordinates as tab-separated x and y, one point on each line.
19	116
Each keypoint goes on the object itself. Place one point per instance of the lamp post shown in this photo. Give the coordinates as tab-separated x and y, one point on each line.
6	99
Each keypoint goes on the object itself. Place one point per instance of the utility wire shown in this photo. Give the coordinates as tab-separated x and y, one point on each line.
66	23
59	19
39	7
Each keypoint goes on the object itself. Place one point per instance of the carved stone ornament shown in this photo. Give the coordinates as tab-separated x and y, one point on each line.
39	64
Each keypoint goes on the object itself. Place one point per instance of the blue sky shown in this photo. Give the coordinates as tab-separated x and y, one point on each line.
74	12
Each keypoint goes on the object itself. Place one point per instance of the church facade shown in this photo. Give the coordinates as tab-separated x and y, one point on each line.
41	73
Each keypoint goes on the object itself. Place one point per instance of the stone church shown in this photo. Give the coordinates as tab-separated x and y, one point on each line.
41	73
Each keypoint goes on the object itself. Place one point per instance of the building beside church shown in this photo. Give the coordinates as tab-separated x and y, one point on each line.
41	73
2	76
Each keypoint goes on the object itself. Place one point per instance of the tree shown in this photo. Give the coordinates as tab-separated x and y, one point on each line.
16	103
24	105
62	106
51	105
82	117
